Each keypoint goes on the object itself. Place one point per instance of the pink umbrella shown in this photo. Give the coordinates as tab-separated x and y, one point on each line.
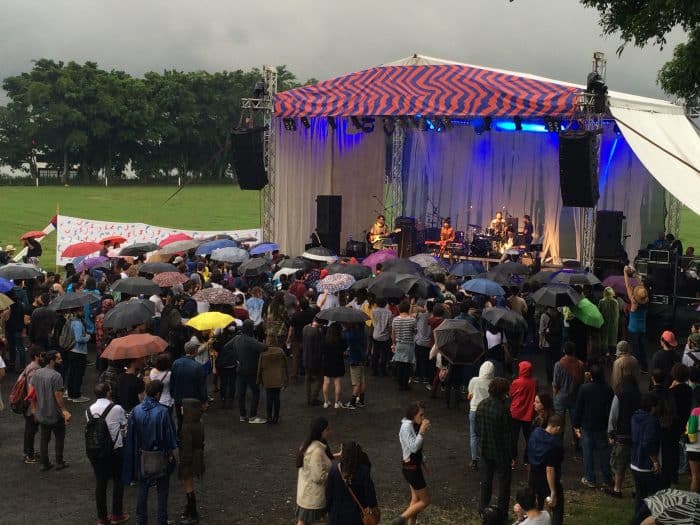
617	283
380	256
174	237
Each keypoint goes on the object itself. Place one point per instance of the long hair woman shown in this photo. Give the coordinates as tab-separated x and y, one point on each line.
313	464
352	473
413	428
333	348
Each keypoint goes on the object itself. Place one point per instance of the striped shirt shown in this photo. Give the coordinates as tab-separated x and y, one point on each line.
404	329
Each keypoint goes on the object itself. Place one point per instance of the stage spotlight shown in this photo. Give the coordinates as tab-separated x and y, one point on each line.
305	122
596	85
367	124
552	125
259	89
356	122
616	129
487	124
518	123
389	126
289	124
448	123
331	122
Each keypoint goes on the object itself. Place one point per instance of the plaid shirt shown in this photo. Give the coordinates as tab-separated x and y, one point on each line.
493	430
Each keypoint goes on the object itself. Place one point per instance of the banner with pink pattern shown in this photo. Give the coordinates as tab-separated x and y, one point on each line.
71	230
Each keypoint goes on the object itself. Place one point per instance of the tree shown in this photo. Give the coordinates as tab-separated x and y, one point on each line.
643	21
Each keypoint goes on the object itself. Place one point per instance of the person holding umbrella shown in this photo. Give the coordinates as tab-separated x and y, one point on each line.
78	357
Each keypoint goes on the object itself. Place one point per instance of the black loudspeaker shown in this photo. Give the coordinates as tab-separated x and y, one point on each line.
608	234
578	169
248	158
407	237
329	211
330	240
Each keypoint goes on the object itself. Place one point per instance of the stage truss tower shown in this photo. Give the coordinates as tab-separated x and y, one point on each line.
393	194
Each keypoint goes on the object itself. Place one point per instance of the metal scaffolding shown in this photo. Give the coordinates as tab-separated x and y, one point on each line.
393	193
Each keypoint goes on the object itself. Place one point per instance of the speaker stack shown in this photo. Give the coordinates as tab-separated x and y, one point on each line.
248	158
578	169
610	257
329	212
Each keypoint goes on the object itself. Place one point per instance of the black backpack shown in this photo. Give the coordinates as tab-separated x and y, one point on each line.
555	327
98	440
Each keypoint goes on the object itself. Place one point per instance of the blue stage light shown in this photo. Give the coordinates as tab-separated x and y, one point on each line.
509	125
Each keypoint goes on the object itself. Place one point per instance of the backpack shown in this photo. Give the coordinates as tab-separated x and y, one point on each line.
98	440
18	395
554	328
67	338
695	360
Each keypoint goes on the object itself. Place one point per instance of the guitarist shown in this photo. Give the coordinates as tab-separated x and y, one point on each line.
377	232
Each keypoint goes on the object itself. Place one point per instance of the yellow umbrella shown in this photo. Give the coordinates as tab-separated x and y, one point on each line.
210	321
5	301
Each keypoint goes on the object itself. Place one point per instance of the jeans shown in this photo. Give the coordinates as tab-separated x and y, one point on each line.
59	431
162	487
16	350
272	398
473	439
227	383
243	382
422	362
30	429
645	484
76	371
503	472
109	469
637	340
670	457
380	356
596	444
515	427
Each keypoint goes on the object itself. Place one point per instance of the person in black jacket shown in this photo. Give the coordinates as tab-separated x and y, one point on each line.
353	472
246	351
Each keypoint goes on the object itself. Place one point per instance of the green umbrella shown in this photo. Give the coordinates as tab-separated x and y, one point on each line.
588	313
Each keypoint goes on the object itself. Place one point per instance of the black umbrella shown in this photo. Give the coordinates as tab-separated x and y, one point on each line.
467	269
343	314
459	341
362	284
157	267
136	286
542	277
502	279
138	248
16	271
295	262
254	267
402	266
417	286
556	295
129	313
512	268
358	271
504	319
384	287
572	278
70	301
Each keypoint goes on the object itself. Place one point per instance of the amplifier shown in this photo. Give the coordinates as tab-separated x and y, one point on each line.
660	299
356	249
642	266
659	257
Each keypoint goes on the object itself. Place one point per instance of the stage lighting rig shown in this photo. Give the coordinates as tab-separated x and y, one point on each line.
487	124
595	84
259	89
356	122
389	126
367	124
289	124
518	121
553	125
331	122
305	122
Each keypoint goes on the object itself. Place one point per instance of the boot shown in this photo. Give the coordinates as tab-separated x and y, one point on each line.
192	516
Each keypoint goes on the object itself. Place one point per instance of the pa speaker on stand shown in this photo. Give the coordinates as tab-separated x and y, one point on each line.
578	169
248	158
329	213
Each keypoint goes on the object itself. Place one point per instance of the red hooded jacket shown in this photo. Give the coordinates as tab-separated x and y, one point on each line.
522	393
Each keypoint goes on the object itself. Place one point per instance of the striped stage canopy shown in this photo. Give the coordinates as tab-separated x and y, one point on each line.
430	87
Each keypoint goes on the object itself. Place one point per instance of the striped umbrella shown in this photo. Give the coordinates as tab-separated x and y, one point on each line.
335	282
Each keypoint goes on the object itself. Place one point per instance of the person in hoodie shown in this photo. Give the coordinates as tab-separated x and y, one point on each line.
522	394
545	453
624	404
644	460
191	456
273	376
477	391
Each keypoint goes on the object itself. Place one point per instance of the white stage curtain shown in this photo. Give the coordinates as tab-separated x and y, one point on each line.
323	161
470	177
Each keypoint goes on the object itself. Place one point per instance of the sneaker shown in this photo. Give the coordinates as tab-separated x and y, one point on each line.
589	484
349	406
257	420
243	419
81	399
613	493
338	404
326	404
62	465
30	460
121	518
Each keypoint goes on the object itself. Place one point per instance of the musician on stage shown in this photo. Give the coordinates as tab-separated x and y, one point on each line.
499	224
447	232
378	232
527	232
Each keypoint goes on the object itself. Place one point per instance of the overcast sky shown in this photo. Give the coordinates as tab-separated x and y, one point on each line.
321	38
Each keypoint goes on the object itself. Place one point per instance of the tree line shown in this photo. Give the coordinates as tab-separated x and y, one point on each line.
80	117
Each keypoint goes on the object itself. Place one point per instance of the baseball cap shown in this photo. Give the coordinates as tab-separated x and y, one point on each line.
669	337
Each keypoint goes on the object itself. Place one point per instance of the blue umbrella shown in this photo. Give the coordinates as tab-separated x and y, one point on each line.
208	247
467	269
5	285
265	247
483	287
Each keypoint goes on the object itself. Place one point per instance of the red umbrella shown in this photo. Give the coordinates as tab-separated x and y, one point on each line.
134	346
174	237
114	239
32	235
81	248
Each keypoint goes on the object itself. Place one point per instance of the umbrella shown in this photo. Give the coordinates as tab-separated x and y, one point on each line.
358	271
556	295
501	278
114	239
81	248
335	283
133	346
420	287
284	271
17	271
362	284
72	300
423	260
168	279
157	267
179	246
5	301
435	269
379	257
542	277
512	268
129	313
253	267
230	255
505	319
174	237
138	248
588	313
210	321
32	235
459	341
319	253
617	283
402	266
208	247
385	287
136	286
220	236
572	277
5	285
215	296
265	247
295	262
483	287
674	507
467	269
343	314
92	262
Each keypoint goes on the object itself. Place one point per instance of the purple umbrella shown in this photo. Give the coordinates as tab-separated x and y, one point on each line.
90	263
379	257
5	285
617	283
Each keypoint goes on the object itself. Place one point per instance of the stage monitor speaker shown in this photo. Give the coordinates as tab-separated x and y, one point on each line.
659	279
329	211
578	169
248	158
330	240
608	234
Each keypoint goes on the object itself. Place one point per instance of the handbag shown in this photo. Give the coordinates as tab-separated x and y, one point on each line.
154	464
370	515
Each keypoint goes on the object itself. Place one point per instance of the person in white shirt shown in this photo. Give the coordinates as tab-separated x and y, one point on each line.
161	372
111	467
526	507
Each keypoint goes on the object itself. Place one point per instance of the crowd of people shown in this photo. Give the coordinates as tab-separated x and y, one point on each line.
144	413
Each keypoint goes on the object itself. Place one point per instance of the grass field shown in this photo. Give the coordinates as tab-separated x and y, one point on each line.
195	207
